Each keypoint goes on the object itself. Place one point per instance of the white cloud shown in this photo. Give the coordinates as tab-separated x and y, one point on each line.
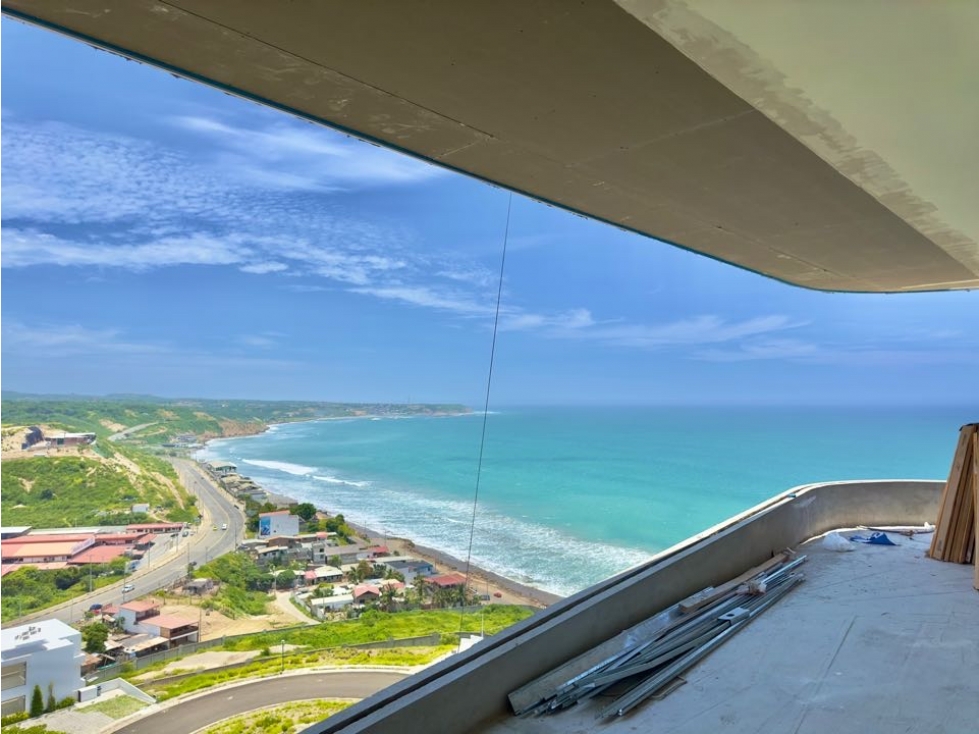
300	156
69	339
22	248
765	349
458	303
264	267
260	341
706	329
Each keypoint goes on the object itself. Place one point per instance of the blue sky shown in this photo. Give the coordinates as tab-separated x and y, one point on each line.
162	237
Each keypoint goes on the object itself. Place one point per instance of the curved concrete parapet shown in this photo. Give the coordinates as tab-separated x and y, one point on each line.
469	689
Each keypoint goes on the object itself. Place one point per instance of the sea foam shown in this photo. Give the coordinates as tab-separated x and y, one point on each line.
283	466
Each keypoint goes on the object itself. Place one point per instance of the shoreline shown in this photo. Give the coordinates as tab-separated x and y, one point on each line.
500	588
481	580
266	427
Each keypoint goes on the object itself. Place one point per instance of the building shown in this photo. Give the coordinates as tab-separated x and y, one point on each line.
56	548
447	581
46	654
171	627
280	522
221	468
71	439
33	437
158	528
134	614
408	567
323	575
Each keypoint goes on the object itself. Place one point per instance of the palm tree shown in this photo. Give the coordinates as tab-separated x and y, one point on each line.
387	598
420	587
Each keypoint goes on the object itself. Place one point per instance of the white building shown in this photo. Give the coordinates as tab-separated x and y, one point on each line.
271	524
46	654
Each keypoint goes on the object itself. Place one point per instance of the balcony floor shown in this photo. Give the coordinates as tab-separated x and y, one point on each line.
878	639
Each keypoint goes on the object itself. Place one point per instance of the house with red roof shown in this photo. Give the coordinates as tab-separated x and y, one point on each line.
447	581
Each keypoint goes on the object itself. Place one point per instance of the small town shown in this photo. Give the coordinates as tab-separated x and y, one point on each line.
214	581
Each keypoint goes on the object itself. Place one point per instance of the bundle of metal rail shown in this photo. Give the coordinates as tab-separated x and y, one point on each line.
654	663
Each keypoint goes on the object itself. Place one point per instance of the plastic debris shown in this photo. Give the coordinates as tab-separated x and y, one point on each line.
836	542
877	538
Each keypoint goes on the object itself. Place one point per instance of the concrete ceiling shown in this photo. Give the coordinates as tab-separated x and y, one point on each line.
831	145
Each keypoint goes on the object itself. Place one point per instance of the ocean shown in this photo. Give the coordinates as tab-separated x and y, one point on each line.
569	496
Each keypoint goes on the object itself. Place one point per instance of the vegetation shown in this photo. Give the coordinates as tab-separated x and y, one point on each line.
117	707
273	664
94	636
170	418
287	719
33	729
244	586
374	626
29	589
37	702
76	491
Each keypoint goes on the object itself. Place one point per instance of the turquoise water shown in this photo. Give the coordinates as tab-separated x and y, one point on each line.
569	496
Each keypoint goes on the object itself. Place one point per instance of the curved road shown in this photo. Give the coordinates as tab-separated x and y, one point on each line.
206	544
213	707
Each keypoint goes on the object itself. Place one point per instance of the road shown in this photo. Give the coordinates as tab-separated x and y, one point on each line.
199	712
122	434
162	570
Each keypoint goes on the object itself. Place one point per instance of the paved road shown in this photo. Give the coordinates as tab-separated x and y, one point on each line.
162	567
208	709
122	434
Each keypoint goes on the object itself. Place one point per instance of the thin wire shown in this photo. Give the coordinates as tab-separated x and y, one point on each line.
489	384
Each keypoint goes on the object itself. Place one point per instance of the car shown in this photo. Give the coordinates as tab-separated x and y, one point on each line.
95	608
224	526
128	588
214	527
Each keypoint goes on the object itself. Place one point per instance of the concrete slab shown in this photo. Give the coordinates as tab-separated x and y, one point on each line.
879	639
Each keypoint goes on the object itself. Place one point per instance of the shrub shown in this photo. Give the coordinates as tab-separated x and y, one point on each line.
65	703
37	702
13	719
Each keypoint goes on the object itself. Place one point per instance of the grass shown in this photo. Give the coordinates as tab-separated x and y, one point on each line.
117	707
288	718
273	664
377	626
72	491
28	590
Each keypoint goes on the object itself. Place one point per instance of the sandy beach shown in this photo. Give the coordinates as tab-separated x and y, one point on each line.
481	581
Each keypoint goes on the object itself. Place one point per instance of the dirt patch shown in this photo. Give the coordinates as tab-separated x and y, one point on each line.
216	624
112	425
204	661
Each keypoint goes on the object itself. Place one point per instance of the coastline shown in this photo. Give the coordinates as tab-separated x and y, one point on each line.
499	588
481	580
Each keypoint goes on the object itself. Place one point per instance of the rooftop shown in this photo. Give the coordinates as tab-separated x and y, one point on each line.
448	579
50	633
171	622
879	639
99	554
140	606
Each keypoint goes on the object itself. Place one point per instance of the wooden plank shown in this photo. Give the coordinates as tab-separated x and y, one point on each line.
699	600
965	519
975	500
957	545
946	513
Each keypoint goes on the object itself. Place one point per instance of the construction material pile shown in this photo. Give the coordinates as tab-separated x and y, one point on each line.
956	528
699	625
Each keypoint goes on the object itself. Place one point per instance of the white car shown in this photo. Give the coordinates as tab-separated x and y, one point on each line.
127	588
224	526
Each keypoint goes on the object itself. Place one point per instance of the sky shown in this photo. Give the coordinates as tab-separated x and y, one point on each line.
161	237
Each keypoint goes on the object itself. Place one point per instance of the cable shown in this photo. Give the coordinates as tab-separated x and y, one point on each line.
489	384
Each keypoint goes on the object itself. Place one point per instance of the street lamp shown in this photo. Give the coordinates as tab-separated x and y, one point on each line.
282	657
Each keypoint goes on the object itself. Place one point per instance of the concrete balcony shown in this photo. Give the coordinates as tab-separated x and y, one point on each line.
469	691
